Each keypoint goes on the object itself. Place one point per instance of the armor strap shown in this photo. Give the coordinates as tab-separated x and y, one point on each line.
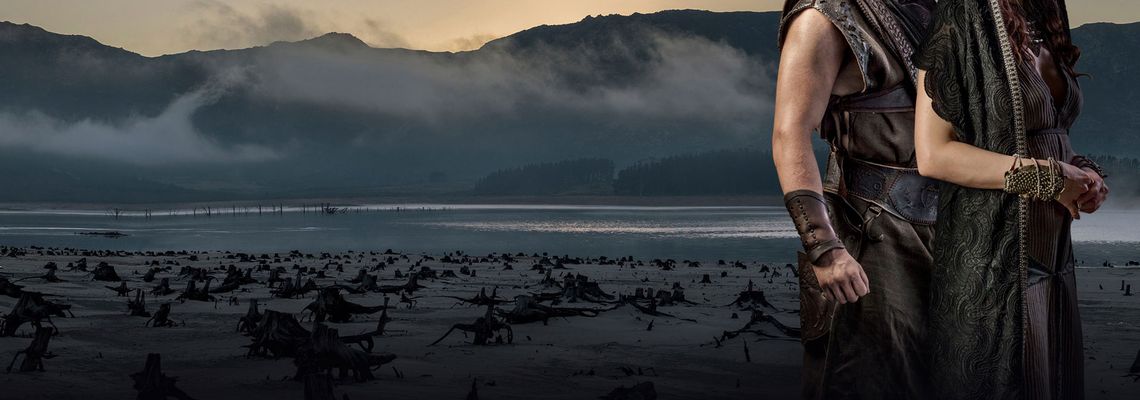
896	99
809	213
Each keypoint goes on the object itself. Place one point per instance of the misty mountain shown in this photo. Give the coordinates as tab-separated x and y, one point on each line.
331	116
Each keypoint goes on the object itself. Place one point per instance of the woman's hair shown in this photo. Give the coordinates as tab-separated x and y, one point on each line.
1056	37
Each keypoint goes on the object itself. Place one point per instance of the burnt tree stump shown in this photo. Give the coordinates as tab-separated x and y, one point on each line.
36	352
122	290
137	307
161	317
163	288
279	335
152	384
331	304
326	352
248	323
33	308
319	387
7	288
640	391
106	273
485	329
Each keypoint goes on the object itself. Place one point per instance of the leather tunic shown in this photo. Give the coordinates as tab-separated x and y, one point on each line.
878	205
877	123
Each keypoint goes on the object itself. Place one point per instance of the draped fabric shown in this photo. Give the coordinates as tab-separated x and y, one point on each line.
1054	347
978	294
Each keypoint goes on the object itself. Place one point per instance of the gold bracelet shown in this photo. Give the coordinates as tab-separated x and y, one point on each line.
1036	182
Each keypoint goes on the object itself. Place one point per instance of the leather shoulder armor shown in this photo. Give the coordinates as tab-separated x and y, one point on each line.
846	17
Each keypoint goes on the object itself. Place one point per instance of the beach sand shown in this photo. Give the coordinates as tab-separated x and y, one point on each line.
570	358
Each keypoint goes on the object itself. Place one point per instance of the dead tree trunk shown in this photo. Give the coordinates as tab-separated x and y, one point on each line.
149	276
48	276
161	317
326	352
485	328
751	298
319	387
1135	370
137	307
163	288
7	288
36	352
364	340
248	323
122	290
105	272
279	335
332	305
640	391
152	384
758	318
33	308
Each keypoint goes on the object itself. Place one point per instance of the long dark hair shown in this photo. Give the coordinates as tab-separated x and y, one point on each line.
1056	34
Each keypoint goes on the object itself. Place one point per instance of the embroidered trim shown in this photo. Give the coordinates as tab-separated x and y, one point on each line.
1022	148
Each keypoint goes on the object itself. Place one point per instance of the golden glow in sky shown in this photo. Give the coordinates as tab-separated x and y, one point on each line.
154	27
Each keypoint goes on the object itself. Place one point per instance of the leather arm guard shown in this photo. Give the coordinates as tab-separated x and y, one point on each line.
1085	162
809	213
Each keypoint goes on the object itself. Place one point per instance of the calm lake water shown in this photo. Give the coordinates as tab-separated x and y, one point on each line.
696	233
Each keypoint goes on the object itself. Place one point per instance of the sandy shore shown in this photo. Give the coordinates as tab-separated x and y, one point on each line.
570	358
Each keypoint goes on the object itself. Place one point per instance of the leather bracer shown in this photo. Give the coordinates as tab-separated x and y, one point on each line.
809	213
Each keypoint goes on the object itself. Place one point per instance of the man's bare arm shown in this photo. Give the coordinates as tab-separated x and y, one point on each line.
812	56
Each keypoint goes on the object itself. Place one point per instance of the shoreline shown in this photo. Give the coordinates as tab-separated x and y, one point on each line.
643	201
682	352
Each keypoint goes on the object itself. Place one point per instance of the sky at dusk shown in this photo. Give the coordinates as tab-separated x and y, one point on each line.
152	27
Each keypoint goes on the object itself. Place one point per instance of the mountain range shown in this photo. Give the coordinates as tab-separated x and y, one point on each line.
333	117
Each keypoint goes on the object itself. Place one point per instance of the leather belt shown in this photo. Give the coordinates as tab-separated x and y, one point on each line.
899	191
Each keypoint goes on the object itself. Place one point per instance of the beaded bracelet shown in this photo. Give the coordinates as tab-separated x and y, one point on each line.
1034	181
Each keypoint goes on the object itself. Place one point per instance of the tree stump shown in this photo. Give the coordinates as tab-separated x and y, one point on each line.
161	317
152	384
149	276
163	288
473	394
279	335
106	273
33	308
332	305
485	329
751	298
326	352
319	387
1135	365
7	288
640	391
249	321
36	352
137	307
122	290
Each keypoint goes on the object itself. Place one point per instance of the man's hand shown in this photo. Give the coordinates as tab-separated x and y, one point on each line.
841	277
1095	196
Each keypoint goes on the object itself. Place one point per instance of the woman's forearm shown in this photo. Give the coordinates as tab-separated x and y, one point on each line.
942	156
965	165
